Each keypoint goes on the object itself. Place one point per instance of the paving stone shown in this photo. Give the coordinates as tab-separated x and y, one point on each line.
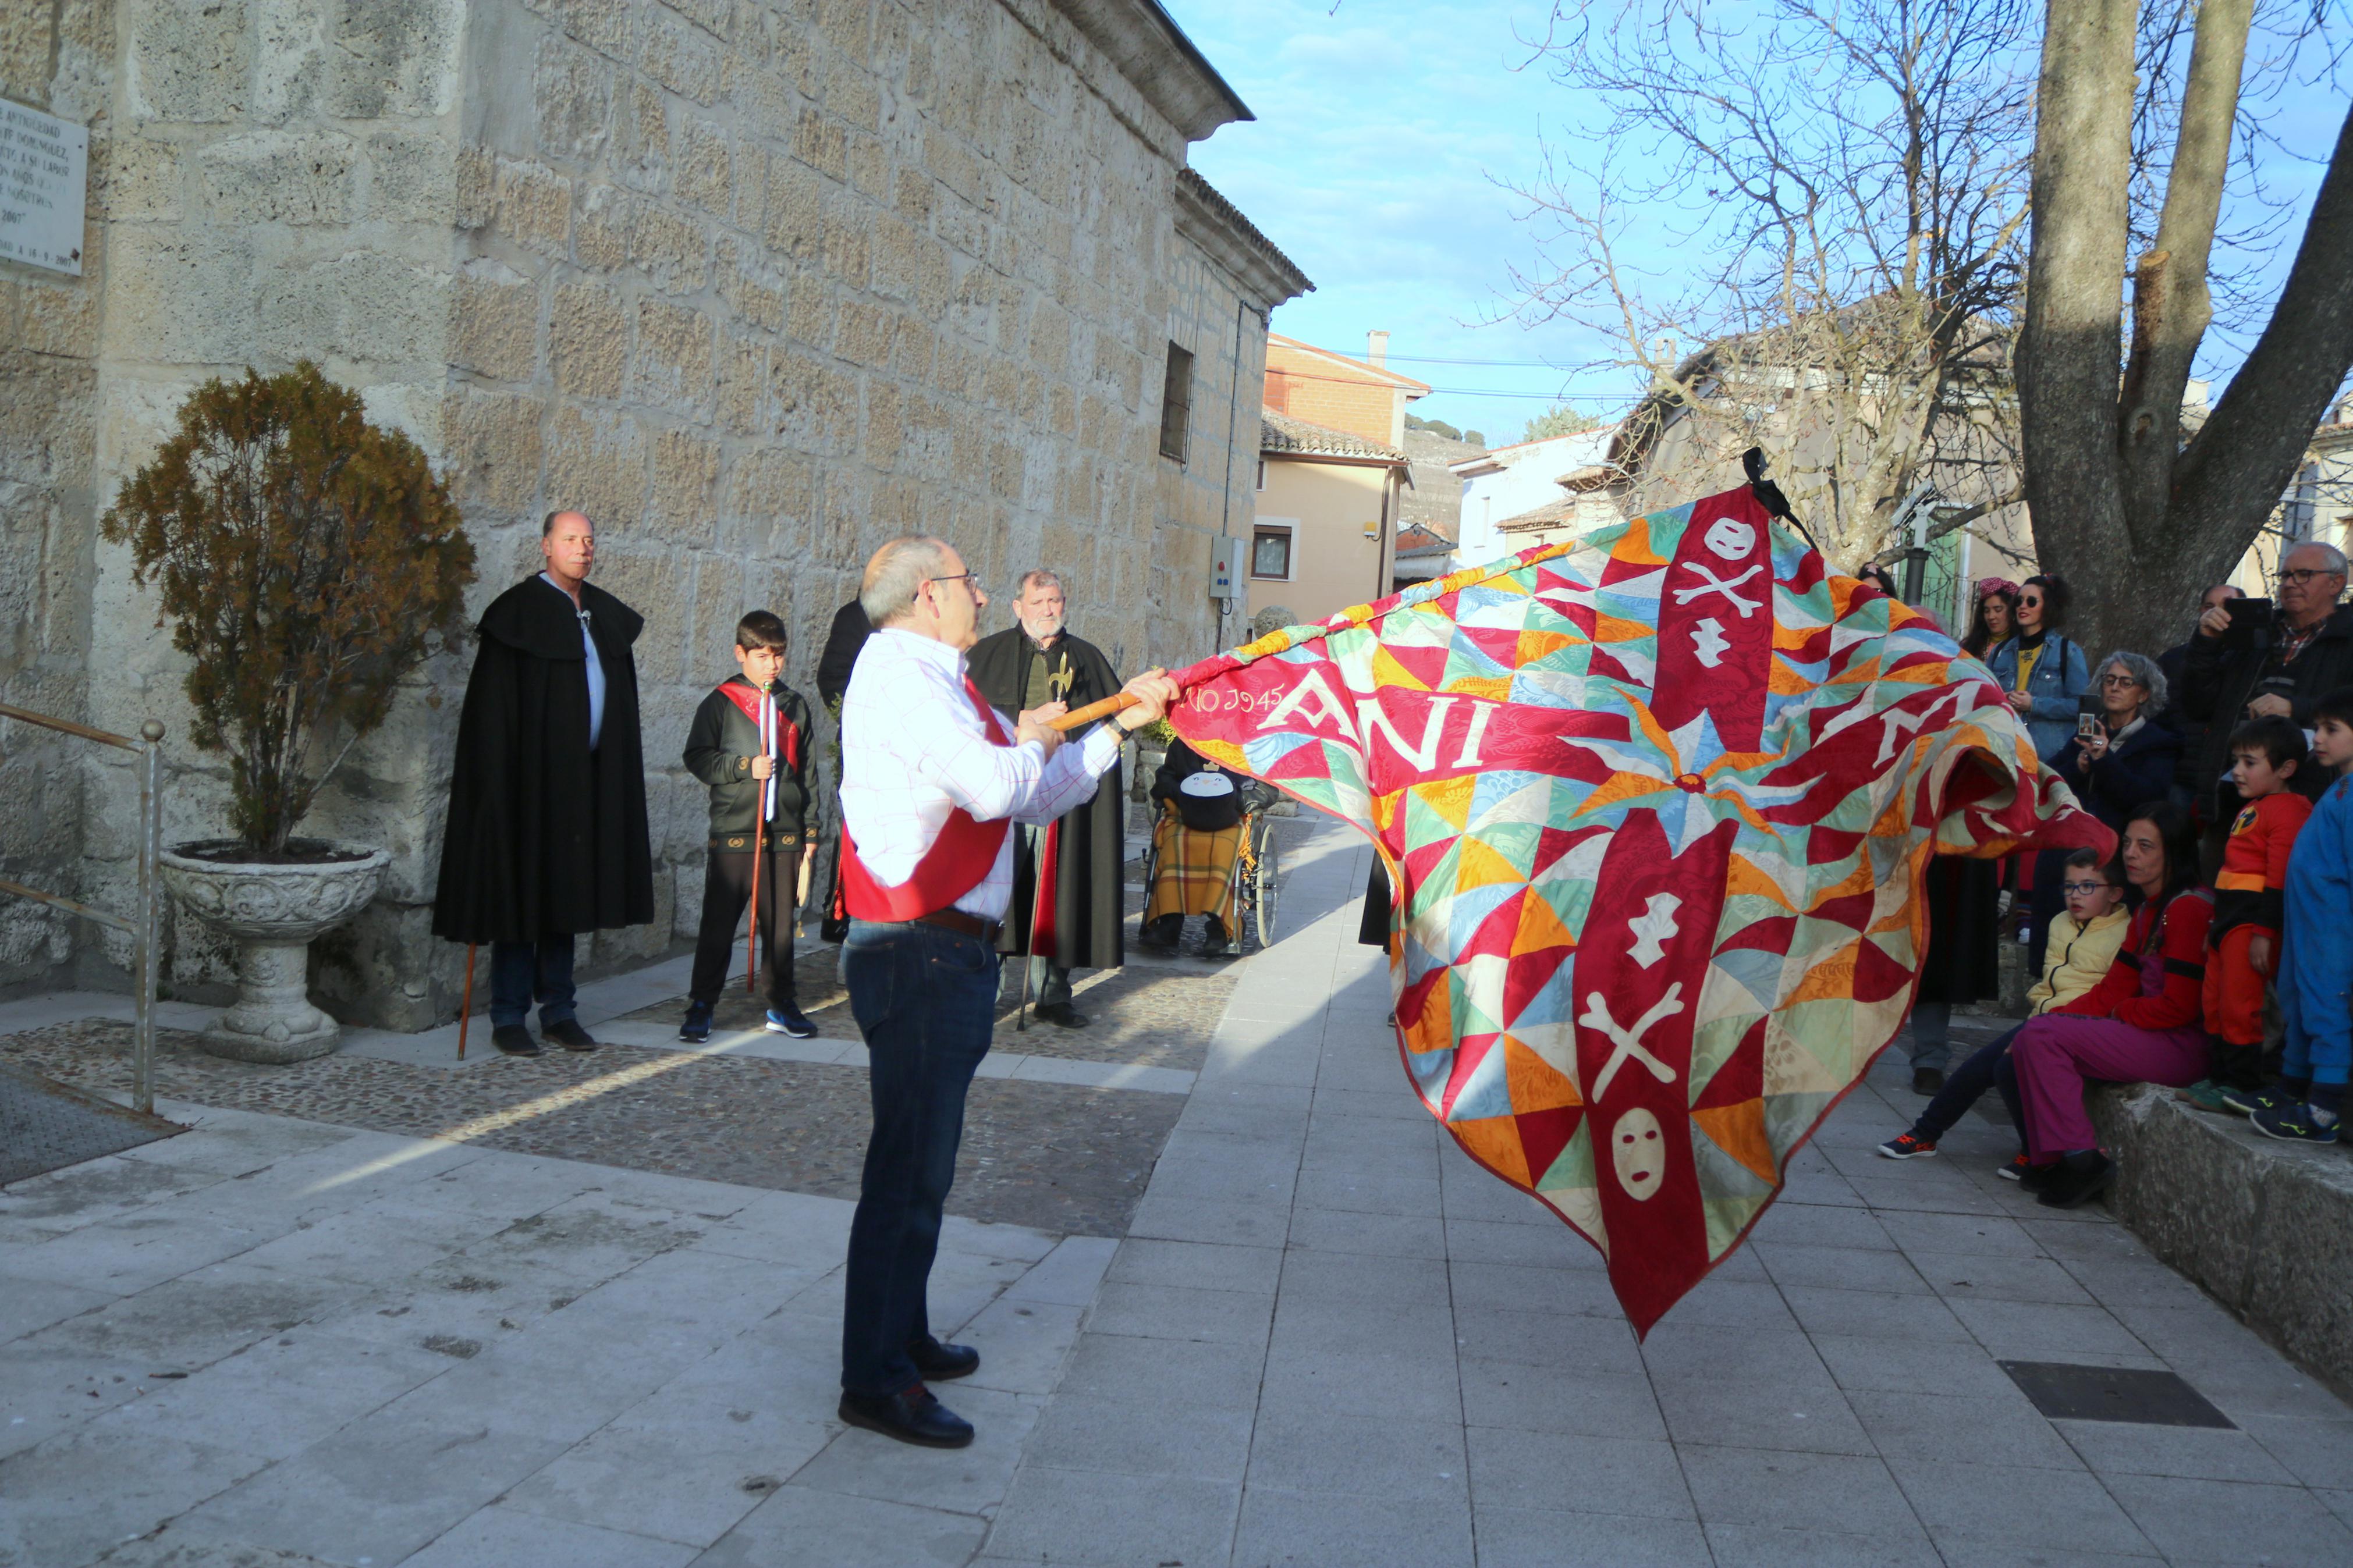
1782	1412
1286	1528
1527	1537
514	1537
1766	1547
1835	1493
802	1527
2232	1521
1993	1429
1561	1398
2019	1508
77	1493
1117	1436
2197	1453
1513	1467
1306	1451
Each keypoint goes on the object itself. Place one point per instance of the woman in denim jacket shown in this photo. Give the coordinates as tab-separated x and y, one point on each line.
2057	673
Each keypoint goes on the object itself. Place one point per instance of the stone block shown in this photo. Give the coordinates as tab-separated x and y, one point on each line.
604	25
754	293
494	320
412	177
651	585
180	297
847	244
673	368
822	144
763	95
717	17
742	382
705	164
476	187
673	250
794	208
679	56
190	60
390	58
596	464
851	95
362	305
532	204
600	228
685	476
492	450
768	497
135	179
60	318
641	139
588	340
2299	1290
571	102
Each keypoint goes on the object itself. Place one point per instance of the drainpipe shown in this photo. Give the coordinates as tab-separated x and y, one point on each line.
1226	505
1381	589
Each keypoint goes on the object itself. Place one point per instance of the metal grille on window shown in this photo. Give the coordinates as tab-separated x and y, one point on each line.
1176	403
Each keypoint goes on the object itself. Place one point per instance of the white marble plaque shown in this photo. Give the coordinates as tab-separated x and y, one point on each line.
44	172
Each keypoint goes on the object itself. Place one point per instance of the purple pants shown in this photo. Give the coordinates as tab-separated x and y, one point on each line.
2056	1055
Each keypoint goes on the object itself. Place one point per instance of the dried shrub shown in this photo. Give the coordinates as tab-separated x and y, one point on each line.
308	560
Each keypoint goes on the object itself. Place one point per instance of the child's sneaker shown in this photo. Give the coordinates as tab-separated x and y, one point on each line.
787	1020
696	1030
2247	1102
2206	1095
1905	1146
2017	1168
2295	1124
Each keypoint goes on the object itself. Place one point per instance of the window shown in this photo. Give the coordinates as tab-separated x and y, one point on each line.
1176	403
1262	473
1270	553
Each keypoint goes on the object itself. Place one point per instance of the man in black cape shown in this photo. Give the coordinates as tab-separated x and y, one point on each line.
848	634
546	831
1024	667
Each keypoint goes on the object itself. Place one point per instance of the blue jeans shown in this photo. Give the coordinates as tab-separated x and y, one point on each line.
523	971
924	998
1990	1067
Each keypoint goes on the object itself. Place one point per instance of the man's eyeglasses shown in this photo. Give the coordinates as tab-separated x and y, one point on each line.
2304	574
972	577
2072	889
2119	681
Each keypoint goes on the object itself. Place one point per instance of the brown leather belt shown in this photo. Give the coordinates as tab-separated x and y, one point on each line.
962	924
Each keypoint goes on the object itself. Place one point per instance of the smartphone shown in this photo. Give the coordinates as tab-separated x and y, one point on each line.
2087	717
2248	617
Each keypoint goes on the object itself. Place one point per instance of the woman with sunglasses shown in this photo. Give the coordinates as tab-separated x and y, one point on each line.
2044	671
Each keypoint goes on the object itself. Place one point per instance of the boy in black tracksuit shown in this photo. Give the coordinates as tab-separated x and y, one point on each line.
724	749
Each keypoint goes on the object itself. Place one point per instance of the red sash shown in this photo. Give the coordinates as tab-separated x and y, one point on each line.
957	863
747	701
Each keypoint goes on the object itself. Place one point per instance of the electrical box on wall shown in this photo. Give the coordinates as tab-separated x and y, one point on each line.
1225	566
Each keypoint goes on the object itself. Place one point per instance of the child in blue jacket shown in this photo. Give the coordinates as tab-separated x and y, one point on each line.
2316	961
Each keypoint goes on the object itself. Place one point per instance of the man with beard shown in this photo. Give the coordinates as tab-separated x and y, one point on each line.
546	831
1035	662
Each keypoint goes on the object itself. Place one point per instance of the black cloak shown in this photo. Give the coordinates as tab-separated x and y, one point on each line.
1090	865
545	837
848	634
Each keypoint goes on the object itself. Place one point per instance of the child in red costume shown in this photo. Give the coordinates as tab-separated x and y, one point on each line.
2245	938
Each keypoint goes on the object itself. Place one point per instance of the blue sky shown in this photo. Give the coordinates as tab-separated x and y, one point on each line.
1387	131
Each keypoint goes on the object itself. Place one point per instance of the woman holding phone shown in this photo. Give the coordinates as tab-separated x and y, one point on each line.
2124	757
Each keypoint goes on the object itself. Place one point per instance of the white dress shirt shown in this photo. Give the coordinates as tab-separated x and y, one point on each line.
596	667
913	748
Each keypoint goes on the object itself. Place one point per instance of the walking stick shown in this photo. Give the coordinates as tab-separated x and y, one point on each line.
466	1003
1037	906
760	840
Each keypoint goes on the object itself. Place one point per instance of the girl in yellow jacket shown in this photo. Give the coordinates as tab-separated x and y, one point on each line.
2083	945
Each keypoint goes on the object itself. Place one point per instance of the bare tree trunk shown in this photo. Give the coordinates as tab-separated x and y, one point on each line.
2070	343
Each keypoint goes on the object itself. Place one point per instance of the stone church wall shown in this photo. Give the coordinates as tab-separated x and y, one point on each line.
757	286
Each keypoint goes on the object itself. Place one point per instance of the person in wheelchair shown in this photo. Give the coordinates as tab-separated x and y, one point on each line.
1196	841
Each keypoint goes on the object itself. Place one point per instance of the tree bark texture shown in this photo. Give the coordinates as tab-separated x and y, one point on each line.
2137	522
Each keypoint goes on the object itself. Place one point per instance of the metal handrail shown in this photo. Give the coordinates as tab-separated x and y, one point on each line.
145	938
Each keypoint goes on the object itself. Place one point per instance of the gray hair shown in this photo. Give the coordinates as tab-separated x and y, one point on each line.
896	573
1274	618
1039	574
2142	669
2333	556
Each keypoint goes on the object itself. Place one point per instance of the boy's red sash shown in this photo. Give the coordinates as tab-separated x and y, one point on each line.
957	861
747	701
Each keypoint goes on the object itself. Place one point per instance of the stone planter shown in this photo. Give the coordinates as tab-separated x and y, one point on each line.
271	912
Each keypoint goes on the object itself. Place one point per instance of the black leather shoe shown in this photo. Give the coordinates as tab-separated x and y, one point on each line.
570	1034
1927	1080
1061	1013
1161	935
514	1040
912	1416
939	1362
2072	1183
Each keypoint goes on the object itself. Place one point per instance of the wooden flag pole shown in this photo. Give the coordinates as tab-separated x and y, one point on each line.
1117	703
759	841
466	1003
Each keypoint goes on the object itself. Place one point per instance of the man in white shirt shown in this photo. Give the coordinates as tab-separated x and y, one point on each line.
931	782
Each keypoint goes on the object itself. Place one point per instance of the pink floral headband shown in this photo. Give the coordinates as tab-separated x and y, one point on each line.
1997	585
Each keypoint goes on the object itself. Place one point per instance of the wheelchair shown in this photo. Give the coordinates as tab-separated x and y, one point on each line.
1257	876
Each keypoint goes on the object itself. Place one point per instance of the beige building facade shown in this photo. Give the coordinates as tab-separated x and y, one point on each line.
1325	531
757	285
